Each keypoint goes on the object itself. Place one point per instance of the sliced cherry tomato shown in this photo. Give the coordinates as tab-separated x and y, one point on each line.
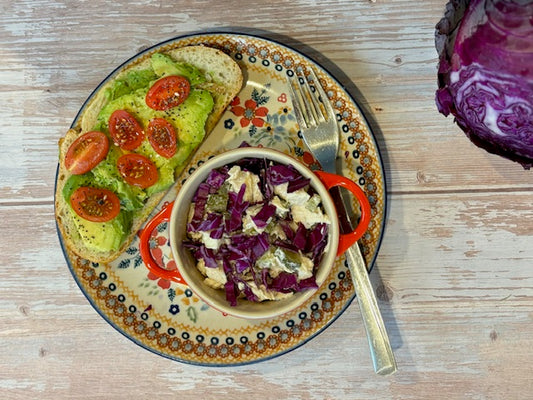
162	137
96	205
137	170
168	92
86	152
126	132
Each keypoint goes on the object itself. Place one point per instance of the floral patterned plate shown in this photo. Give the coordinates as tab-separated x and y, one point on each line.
167	318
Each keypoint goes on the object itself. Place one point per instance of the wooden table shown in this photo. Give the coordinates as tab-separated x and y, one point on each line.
454	275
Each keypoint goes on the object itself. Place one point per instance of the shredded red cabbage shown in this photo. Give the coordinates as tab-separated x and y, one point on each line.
287	282
216	178
317	241
232	292
300	238
239	248
261	218
279	174
236	206
200	200
212	221
208	255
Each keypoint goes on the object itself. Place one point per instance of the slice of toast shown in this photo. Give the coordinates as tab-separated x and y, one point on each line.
224	81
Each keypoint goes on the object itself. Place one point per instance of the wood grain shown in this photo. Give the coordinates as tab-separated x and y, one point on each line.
453	276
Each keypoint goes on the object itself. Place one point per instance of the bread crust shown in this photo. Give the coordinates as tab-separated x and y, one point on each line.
225	80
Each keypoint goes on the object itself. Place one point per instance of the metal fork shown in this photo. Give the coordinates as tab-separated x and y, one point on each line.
320	132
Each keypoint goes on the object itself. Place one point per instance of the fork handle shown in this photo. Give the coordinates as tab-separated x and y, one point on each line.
378	340
380	348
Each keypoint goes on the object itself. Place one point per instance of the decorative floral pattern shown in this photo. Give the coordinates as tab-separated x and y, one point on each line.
250	113
168	318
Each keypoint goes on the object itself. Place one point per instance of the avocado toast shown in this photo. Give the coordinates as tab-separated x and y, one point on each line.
131	142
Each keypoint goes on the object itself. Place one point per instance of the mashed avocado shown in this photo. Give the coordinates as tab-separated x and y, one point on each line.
188	119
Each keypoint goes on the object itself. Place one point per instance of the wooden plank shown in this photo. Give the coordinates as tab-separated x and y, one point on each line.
57	69
457	306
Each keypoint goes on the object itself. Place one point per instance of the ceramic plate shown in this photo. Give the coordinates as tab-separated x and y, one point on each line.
167	318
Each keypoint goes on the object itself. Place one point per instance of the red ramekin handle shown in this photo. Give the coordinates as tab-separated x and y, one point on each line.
346	240
144	246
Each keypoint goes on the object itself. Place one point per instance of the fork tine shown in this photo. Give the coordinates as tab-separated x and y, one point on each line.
311	108
312	103
297	104
308	108
324	97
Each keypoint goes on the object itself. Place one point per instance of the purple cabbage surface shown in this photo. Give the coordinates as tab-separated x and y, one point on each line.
485	74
